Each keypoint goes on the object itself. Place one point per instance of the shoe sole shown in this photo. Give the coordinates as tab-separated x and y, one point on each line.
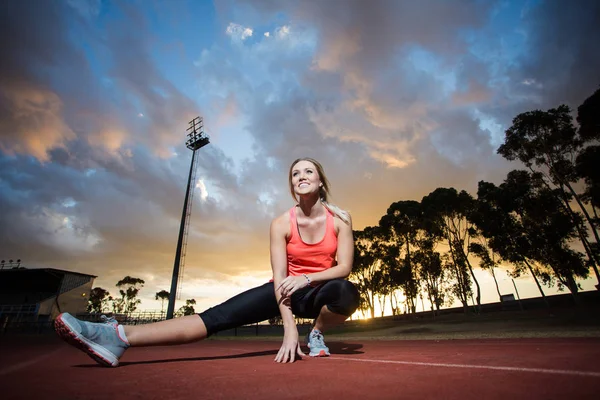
321	353
98	353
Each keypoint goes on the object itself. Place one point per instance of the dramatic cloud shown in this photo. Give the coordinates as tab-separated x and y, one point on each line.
395	98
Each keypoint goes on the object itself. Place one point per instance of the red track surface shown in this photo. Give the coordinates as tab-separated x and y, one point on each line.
457	369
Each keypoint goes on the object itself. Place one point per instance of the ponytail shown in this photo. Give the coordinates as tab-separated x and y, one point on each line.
338	212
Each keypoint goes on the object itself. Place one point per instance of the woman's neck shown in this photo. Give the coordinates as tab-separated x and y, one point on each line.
311	206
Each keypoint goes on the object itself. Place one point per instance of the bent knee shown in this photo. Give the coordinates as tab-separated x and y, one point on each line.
348	289
349	298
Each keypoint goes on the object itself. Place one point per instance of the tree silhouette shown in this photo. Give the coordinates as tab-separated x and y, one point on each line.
500	217
451	211
430	268
98	300
588	118
488	259
162	296
366	263
401	227
129	289
547	142
188	308
529	221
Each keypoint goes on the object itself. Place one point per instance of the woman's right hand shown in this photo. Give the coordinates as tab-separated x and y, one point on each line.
290	347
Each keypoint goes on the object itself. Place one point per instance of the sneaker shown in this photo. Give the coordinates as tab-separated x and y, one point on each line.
101	341
315	343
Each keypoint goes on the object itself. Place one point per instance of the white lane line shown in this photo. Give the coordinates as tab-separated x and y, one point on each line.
491	367
25	364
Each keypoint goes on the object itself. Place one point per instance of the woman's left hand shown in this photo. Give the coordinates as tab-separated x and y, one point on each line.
290	348
289	285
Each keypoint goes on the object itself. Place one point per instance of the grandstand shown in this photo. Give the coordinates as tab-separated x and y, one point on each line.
33	297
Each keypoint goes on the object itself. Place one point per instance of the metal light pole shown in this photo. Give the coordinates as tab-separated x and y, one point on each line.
195	140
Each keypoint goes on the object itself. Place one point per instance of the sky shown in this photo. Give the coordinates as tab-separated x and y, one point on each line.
394	98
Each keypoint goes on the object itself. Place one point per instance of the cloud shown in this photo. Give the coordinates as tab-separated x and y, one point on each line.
238	32
394	98
126	186
203	192
282	32
32	114
562	64
31	121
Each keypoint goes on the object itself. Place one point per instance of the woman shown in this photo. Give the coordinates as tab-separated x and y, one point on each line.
312	251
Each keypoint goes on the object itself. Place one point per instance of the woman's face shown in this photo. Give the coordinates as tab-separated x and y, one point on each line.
305	178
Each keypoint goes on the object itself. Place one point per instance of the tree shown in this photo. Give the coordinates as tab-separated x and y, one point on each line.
129	289
488	261
587	168
118	304
162	296
588	118
381	285
500	218
548	143
98	300
450	211
400	227
527	225
188	308
366	264
551	229
399	273
430	268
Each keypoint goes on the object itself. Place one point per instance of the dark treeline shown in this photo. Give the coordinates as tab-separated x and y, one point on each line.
542	220
101	300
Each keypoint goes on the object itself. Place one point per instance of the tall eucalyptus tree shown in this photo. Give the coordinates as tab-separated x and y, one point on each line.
451	212
547	142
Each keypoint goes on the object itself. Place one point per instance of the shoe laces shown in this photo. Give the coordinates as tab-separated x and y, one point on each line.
108	320
317	337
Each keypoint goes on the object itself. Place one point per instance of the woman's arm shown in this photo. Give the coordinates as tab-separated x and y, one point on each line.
280	267
290	346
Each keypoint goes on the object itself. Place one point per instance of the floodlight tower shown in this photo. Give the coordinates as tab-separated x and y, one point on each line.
195	140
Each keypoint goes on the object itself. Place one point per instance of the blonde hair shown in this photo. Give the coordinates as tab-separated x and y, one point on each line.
323	190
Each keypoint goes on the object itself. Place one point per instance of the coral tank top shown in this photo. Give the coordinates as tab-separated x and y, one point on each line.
305	258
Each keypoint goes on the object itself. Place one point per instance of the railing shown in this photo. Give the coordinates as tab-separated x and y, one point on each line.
19	308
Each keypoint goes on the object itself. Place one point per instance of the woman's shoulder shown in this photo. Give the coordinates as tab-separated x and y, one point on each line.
340	224
281	223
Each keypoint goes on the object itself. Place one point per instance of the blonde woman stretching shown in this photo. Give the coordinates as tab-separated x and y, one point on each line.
311	253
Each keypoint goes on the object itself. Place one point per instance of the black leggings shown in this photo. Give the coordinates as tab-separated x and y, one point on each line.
259	304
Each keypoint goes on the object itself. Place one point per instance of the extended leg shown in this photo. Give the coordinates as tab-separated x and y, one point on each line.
181	330
106	342
254	305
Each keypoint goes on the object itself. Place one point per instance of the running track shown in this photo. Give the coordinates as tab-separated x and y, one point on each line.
226	369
